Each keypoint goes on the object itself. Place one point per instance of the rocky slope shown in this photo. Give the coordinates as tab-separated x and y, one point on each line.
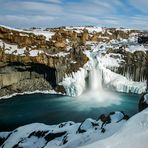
38	59
68	134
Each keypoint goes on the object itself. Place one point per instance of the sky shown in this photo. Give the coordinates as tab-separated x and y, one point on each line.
55	13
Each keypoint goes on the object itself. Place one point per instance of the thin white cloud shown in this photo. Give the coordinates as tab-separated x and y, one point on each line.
28	21
53	1
38	7
141	5
90	7
136	22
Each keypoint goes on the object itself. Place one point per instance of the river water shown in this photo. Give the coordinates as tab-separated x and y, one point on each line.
54	109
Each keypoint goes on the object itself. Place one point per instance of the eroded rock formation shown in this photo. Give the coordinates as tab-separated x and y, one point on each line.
30	60
41	61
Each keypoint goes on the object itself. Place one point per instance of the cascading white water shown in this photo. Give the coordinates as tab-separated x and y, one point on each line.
95	72
95	79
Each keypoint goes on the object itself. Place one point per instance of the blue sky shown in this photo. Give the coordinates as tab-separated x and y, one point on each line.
53	13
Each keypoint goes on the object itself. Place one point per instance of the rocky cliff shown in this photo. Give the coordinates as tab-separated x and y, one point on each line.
37	59
29	59
134	64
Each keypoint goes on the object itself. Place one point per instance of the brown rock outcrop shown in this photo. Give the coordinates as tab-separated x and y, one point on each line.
51	67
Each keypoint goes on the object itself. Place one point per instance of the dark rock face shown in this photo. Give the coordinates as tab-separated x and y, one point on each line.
143	39
18	78
47	136
48	73
52	136
143	103
135	65
2	140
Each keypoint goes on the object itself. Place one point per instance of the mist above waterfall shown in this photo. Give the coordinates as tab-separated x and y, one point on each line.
94	92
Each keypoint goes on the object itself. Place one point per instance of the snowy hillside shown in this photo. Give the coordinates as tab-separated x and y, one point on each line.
68	134
133	134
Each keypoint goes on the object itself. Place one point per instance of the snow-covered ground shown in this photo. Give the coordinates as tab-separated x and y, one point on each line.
133	134
30	92
66	135
47	34
134	48
90	29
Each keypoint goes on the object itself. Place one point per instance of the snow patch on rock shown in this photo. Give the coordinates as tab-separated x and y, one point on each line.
12	49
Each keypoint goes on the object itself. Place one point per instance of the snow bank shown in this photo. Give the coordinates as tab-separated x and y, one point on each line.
20	30
120	83
134	48
59	54
47	34
90	29
117	116
133	134
109	61
29	92
94	29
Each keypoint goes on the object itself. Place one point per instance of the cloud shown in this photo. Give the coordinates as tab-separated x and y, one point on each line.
29	21
38	7
89	7
141	5
53	1
52	13
135	22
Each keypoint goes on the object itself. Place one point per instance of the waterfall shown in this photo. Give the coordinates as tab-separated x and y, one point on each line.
95	79
95	72
88	80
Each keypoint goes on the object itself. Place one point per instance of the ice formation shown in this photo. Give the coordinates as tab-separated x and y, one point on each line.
96	72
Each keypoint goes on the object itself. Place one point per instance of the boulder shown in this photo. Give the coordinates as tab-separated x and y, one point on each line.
60	44
118	116
86	125
143	103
